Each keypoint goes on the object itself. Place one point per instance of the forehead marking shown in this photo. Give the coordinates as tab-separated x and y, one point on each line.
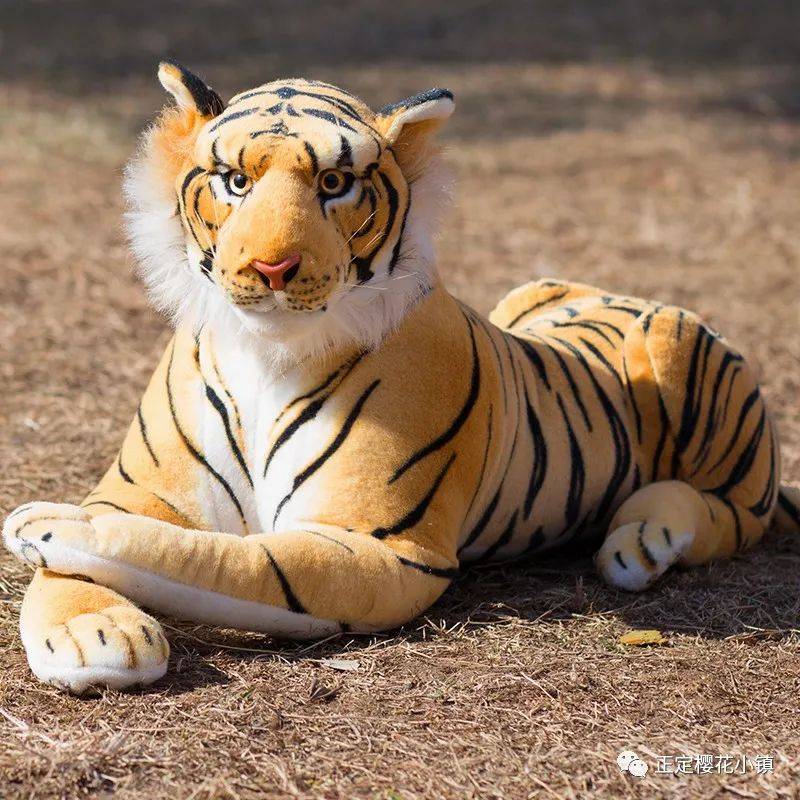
345	153
313	156
277	129
245	112
329	117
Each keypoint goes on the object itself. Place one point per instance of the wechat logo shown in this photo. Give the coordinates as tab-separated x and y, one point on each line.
628	761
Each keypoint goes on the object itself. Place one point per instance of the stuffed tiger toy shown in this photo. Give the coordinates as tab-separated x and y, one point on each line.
331	435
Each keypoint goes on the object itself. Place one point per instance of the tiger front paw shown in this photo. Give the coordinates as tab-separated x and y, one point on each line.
118	647
36	532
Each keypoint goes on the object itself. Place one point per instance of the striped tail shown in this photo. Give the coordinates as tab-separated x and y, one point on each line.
787	513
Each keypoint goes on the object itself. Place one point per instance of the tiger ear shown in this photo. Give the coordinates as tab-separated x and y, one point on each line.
191	93
410	127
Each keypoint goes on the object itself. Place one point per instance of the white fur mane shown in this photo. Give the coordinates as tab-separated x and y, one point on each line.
361	315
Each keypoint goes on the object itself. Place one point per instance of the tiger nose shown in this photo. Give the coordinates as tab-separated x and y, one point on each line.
277	275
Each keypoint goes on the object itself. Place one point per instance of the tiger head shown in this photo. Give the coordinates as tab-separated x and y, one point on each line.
294	210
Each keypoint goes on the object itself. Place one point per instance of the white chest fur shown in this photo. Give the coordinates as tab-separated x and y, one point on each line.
243	396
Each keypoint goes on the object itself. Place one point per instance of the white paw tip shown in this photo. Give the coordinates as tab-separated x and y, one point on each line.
78	680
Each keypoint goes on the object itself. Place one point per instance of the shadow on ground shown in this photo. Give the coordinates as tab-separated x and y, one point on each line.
752	598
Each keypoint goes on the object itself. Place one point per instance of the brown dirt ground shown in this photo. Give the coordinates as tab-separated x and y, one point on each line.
648	148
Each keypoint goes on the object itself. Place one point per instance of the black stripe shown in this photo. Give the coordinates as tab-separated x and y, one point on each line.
303	476
618	558
312	156
502	540
310	411
602	359
534	307
330	539
106	503
533	356
766	502
437	572
173	508
636	483
123	472
712	414
539	465
369	222
276	129
500	365
399	243
345	158
746	406
663	419
483	464
576	392
736	521
456	425
734	375
329	117
201	459
416	513
694	395
189	177
535	542
324	385
577	477
591	326
215	157
634	312
287	92
744	463
220	408
632	398
145	439
363	264
291	599
245	112
648	556
247	96
481	524
667	537
619	434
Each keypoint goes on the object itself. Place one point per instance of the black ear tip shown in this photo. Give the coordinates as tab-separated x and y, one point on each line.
417	100
208	102
171	62
438	94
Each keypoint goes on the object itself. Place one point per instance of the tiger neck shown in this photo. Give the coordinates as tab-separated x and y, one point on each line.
331	342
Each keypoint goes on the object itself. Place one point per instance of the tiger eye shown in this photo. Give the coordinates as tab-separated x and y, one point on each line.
332	181
237	183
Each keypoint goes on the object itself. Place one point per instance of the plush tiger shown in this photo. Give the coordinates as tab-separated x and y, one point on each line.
330	435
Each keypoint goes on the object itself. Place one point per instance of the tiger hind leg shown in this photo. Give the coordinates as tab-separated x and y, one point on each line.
78	634
667	523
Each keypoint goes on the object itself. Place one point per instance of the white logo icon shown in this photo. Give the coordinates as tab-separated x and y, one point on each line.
628	761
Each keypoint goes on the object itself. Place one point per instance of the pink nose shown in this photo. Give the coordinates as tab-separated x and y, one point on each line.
278	275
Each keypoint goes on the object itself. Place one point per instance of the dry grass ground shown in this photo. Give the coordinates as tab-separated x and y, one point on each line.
650	148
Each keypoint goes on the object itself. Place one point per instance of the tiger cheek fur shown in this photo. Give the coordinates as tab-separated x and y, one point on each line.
281	217
330	435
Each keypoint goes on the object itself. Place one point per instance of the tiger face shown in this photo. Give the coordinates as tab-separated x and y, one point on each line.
294	202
